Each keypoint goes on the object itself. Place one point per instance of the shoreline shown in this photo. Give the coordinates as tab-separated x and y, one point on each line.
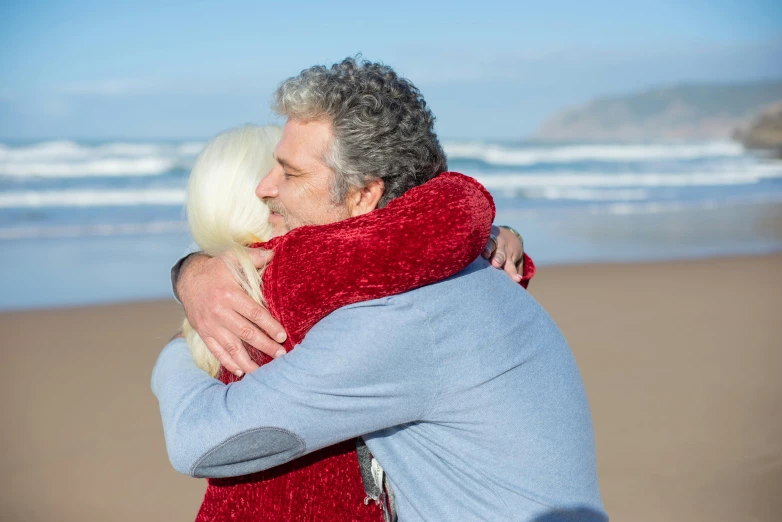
98	269
556	265
679	359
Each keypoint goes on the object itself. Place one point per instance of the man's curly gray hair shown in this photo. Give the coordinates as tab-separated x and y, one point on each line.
382	126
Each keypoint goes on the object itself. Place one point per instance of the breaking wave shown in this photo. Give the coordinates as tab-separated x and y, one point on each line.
748	175
68	159
666	207
104	229
531	155
91	198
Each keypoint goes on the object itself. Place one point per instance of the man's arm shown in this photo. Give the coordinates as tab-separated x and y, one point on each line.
221	311
355	373
224	315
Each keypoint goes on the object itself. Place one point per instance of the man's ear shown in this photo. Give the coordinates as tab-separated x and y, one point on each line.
366	199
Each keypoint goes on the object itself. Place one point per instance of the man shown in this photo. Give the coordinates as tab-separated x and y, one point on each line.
474	413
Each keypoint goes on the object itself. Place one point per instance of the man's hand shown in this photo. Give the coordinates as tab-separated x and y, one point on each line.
223	314
506	252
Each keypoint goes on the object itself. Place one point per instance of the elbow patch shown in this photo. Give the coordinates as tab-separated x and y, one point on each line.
248	452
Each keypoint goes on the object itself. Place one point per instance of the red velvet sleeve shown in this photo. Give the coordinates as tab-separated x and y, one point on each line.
527	270
431	232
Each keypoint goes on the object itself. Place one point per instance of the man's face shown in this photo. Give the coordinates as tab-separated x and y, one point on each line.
297	188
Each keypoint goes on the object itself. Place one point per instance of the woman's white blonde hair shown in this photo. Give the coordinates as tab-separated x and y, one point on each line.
224	213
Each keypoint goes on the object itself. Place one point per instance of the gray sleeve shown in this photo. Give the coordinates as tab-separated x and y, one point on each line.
192	249
364	368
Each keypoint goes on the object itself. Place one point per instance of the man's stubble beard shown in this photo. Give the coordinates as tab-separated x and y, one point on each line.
339	214
275	207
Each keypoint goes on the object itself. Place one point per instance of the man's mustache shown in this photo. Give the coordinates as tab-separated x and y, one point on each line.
274	206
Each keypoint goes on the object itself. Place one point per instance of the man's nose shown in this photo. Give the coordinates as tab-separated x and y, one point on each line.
267	188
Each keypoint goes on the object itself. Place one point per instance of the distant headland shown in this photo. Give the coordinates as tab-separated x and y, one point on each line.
764	131
683	112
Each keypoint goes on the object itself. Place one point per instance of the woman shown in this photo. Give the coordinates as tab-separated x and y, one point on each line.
430	233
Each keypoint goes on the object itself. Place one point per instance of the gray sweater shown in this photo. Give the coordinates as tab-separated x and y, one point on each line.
465	391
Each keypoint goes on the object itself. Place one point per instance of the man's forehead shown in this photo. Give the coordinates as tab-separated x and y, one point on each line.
303	143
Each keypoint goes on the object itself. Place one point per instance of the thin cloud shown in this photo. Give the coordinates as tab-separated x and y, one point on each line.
231	85
110	88
466	66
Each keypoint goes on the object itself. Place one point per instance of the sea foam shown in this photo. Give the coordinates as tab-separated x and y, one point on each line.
531	155
93	230
68	159
510	180
91	198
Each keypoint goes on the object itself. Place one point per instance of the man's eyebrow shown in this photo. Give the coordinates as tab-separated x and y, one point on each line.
287	165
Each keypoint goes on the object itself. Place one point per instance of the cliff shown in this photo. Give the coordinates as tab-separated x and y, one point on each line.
764	131
684	112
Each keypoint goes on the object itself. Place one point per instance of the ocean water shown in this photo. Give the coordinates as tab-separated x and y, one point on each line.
96	222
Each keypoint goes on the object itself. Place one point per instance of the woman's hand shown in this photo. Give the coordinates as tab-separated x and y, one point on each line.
224	315
505	250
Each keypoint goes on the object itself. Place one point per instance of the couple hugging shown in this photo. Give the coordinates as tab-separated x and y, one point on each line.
425	383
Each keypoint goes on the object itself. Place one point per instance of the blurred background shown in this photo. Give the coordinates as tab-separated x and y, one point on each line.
609	133
606	131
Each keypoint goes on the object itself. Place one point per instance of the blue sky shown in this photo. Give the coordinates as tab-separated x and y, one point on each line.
489	69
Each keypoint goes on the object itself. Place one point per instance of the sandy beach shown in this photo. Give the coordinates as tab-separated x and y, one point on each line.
681	363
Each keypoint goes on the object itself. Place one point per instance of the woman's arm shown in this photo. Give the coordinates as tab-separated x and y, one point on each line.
430	233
